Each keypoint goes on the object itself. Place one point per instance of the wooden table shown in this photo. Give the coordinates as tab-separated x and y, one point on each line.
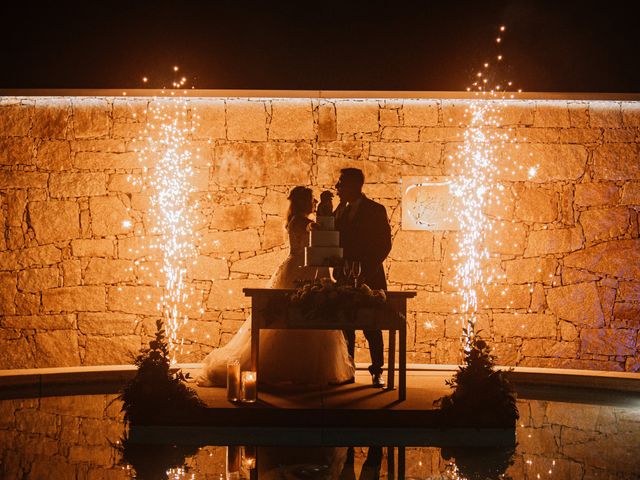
263	298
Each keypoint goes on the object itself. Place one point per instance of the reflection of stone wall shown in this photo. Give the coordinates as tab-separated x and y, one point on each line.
76	286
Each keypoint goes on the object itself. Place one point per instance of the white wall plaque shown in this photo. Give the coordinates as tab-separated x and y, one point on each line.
428	204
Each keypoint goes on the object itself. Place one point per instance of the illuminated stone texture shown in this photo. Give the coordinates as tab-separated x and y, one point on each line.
80	283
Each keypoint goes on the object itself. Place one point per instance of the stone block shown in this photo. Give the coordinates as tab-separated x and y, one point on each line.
415	273
629	292
626	313
436	302
57	348
553	162
143	300
41	322
574	275
8	292
228	295
329	168
529	325
32	421
400	134
604	224
109	216
415	246
256	164
630	114
51	118
125	183
630	194
12	179
74	299
54	220
617	162
327	128
617	258
246	120
275	203
420	113
548	348
90	118
605	114
37	279
530	270
92	248
263	265
236	217
353	117
584	136
291	120
101	271
54	155
429	327
535	204
568	331
117	350
505	296
579	114
595	194
38	256
561	240
455	112
520	113
506	238
275	234
15	120
415	153
389	117
210	121
223	243
16	151
77	184
16	204
133	248
27	303
208	268
551	114
107	160
578	304
608	341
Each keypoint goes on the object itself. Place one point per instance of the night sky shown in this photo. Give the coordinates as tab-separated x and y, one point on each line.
554	46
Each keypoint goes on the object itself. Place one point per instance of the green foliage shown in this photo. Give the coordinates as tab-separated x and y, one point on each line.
482	395
156	393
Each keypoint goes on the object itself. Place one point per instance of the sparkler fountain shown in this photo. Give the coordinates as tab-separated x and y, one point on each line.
169	178
476	162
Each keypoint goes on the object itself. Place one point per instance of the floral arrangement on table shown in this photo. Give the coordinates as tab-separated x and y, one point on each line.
325	299
482	396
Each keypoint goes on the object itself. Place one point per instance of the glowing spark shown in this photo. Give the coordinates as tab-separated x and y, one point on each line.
145	79
127	223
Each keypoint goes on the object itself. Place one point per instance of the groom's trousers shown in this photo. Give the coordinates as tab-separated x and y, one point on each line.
376	348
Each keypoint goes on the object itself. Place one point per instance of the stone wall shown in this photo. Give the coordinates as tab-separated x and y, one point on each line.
77	271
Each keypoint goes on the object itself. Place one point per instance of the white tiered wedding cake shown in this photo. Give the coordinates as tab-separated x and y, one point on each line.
324	243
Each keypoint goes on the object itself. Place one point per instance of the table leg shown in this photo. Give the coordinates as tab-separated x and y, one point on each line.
391	361
391	464
401	461
402	374
255	345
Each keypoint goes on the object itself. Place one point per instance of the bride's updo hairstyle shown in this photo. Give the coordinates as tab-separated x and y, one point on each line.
299	200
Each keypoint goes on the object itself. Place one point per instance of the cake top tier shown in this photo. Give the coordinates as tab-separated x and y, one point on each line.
326	222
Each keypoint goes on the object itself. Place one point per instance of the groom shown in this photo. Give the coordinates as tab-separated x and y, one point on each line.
365	236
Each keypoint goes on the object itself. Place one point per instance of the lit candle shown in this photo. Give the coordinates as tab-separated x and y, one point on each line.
249	387
233	380
249	458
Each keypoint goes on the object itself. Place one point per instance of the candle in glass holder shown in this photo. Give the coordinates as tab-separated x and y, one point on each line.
249	386
249	458
233	462
233	380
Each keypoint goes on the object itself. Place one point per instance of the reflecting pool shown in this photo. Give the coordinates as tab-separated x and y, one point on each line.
584	435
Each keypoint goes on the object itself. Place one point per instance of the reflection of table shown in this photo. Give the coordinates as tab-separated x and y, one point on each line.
262	300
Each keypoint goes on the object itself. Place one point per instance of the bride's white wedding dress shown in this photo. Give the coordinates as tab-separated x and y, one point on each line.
299	357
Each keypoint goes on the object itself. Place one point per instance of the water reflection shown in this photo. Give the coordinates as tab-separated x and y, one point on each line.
80	437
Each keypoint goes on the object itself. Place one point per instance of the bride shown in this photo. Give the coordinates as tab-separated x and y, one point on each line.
298	357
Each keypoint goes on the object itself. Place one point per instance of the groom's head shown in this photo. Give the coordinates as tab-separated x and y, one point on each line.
350	184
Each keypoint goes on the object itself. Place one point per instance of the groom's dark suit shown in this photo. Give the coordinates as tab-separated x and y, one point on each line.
365	236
